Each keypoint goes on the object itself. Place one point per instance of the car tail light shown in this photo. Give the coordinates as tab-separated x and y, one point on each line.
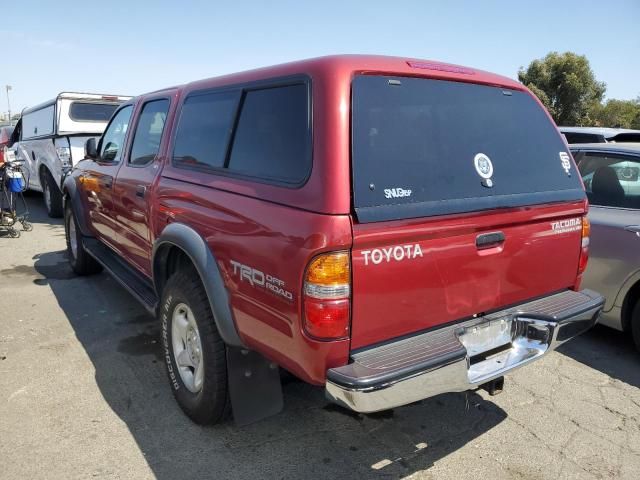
327	293
584	252
64	154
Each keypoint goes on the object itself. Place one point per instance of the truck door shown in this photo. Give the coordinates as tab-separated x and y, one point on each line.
141	167
97	178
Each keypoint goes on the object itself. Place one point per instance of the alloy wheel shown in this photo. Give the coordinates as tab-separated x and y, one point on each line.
187	347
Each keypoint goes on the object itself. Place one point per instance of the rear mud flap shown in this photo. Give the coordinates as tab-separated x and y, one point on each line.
254	386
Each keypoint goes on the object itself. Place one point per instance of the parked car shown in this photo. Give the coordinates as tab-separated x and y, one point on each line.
611	174
50	139
380	226
599	135
5	135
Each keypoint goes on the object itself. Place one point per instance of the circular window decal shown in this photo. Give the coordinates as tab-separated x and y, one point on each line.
483	165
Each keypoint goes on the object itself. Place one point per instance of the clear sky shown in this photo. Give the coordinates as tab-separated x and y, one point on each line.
135	46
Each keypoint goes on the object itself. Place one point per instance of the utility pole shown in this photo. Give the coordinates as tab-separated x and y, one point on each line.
8	87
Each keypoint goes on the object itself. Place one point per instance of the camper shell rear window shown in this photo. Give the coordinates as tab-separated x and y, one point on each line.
91	111
423	147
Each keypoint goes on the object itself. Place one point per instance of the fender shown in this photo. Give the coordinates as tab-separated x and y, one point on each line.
621	300
629	282
71	194
190	241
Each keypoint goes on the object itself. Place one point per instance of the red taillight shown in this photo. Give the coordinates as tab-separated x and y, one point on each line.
326	319
327	290
584	252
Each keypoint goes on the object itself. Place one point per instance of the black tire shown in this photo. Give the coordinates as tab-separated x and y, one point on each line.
211	403
81	262
49	189
635	325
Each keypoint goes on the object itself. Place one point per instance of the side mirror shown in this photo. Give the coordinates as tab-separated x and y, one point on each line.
91	149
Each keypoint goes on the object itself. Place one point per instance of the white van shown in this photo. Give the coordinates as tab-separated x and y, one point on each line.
50	138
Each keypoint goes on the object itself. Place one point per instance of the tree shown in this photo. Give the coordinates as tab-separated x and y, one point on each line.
617	113
566	85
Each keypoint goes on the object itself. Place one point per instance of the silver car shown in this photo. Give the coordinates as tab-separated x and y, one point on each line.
599	135
611	175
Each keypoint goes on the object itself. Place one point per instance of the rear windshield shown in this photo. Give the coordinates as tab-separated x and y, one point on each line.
91	112
431	147
574	137
631	137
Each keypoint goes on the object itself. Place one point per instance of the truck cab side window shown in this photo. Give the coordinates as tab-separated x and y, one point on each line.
114	136
273	137
204	129
146	139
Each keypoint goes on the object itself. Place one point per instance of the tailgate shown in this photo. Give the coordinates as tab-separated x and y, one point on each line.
414	275
465	201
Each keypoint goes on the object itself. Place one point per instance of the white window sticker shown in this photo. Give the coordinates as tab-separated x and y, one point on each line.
396	192
483	165
565	159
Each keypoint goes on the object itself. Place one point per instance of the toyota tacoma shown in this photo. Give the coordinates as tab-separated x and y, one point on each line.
390	229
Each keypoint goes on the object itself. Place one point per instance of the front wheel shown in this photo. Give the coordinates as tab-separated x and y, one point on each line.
81	262
194	352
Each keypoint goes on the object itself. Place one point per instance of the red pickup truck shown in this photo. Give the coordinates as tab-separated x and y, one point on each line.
388	228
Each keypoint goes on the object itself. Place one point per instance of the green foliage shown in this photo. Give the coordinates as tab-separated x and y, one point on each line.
566	85
617	113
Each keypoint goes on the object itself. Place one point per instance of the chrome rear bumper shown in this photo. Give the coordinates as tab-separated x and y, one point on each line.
463	356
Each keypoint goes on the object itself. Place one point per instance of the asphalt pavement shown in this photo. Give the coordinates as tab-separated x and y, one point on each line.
84	394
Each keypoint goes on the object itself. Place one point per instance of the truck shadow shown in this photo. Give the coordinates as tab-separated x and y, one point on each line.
607	350
309	438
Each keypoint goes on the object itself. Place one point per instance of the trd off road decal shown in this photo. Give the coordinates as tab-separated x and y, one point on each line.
259	279
396	253
565	226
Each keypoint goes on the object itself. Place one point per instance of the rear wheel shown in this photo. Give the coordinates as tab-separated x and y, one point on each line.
194	352
81	262
52	195
635	325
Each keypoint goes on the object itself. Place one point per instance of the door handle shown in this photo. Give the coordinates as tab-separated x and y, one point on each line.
633	229
488	240
141	190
